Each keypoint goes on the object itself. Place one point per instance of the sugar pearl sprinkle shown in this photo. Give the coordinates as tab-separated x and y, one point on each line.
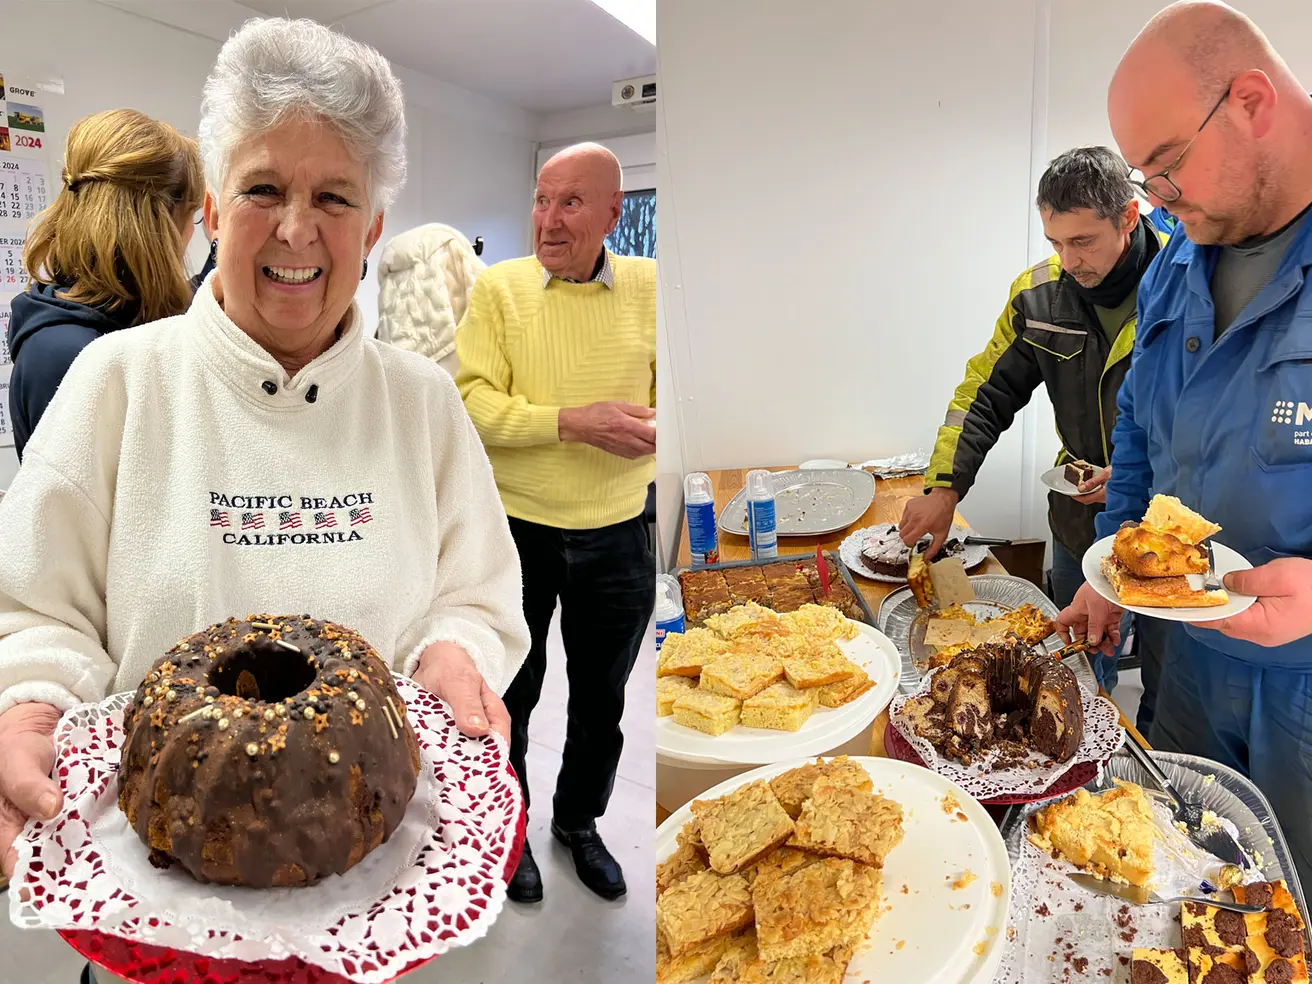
359	704
252	749
269	715
148	701
223	724
334	758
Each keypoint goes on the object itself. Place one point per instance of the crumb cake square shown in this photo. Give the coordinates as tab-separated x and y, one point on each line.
822	622
706	712
668	690
781	571
745	620
842	821
1158	967
687	859
848	689
696	962
1220	968
1206	927
779	707
685	653
792	597
702	907
740	674
741	827
827	904
1270	895
816	666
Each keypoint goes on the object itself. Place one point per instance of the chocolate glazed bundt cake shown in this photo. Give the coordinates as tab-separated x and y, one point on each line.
267	751
999	694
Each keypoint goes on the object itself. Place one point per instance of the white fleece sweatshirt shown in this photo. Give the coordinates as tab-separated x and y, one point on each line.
165	490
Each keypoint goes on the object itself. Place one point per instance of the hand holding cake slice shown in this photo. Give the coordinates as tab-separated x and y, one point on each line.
1152	562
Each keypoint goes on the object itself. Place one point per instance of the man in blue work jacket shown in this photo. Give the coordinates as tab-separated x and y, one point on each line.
1217	407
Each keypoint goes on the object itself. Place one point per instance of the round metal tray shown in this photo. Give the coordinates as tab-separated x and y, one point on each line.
809	503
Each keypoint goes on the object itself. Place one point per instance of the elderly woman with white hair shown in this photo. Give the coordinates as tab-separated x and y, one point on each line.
258	453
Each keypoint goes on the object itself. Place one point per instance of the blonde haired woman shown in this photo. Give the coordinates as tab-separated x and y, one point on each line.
424	281
107	254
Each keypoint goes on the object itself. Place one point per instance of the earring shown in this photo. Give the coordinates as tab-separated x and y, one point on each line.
364	271
214	250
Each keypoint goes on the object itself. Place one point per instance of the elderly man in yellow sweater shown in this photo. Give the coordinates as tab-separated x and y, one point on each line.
558	371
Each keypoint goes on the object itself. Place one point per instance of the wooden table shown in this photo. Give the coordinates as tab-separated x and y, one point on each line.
891	497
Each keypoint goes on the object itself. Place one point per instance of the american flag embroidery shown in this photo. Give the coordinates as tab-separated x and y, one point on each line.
252	521
324	520
219	518
360	515
289	520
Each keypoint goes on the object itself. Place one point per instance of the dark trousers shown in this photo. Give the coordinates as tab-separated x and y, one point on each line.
605	581
1154	638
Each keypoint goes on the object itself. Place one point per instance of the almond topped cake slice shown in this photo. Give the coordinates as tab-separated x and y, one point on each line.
793	787
842	821
811	911
694	963
742	827
702	907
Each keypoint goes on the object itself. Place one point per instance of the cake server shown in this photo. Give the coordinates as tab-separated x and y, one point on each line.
1140	895
1212	838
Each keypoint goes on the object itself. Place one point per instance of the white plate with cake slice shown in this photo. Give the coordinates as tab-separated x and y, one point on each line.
1056	480
945	886
827	727
1176	607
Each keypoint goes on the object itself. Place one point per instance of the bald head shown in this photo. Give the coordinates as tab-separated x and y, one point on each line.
576	206
1195	57
588	161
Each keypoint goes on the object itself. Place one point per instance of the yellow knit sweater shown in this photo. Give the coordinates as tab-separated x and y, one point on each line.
527	351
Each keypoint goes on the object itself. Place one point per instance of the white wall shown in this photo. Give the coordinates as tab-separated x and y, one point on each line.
471	157
849	197
850	229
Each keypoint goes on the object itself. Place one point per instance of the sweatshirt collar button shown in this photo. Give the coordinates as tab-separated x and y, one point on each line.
270	386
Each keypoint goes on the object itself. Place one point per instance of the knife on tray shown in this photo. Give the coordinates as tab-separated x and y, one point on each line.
1212	838
1141	895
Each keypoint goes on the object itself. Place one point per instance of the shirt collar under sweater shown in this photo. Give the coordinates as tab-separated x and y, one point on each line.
606	275
248	368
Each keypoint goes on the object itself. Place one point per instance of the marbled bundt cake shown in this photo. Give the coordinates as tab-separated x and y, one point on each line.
1004	692
267	751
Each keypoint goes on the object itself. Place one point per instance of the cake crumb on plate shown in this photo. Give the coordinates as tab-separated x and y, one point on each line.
964	881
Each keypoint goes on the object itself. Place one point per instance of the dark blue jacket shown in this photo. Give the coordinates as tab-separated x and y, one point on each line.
1225	425
45	335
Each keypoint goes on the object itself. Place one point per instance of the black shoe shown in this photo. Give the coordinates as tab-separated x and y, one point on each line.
596	868
526	883
86	975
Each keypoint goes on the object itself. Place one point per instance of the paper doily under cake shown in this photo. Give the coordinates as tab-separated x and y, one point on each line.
1102	736
437	884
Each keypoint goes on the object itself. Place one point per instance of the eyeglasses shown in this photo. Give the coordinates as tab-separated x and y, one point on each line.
1160	185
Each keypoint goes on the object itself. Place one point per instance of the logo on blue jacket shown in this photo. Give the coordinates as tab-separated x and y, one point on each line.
1286	411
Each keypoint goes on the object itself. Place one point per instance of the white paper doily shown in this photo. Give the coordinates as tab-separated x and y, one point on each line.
1102	736
436	885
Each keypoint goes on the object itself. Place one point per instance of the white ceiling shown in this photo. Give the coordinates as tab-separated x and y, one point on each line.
541	55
